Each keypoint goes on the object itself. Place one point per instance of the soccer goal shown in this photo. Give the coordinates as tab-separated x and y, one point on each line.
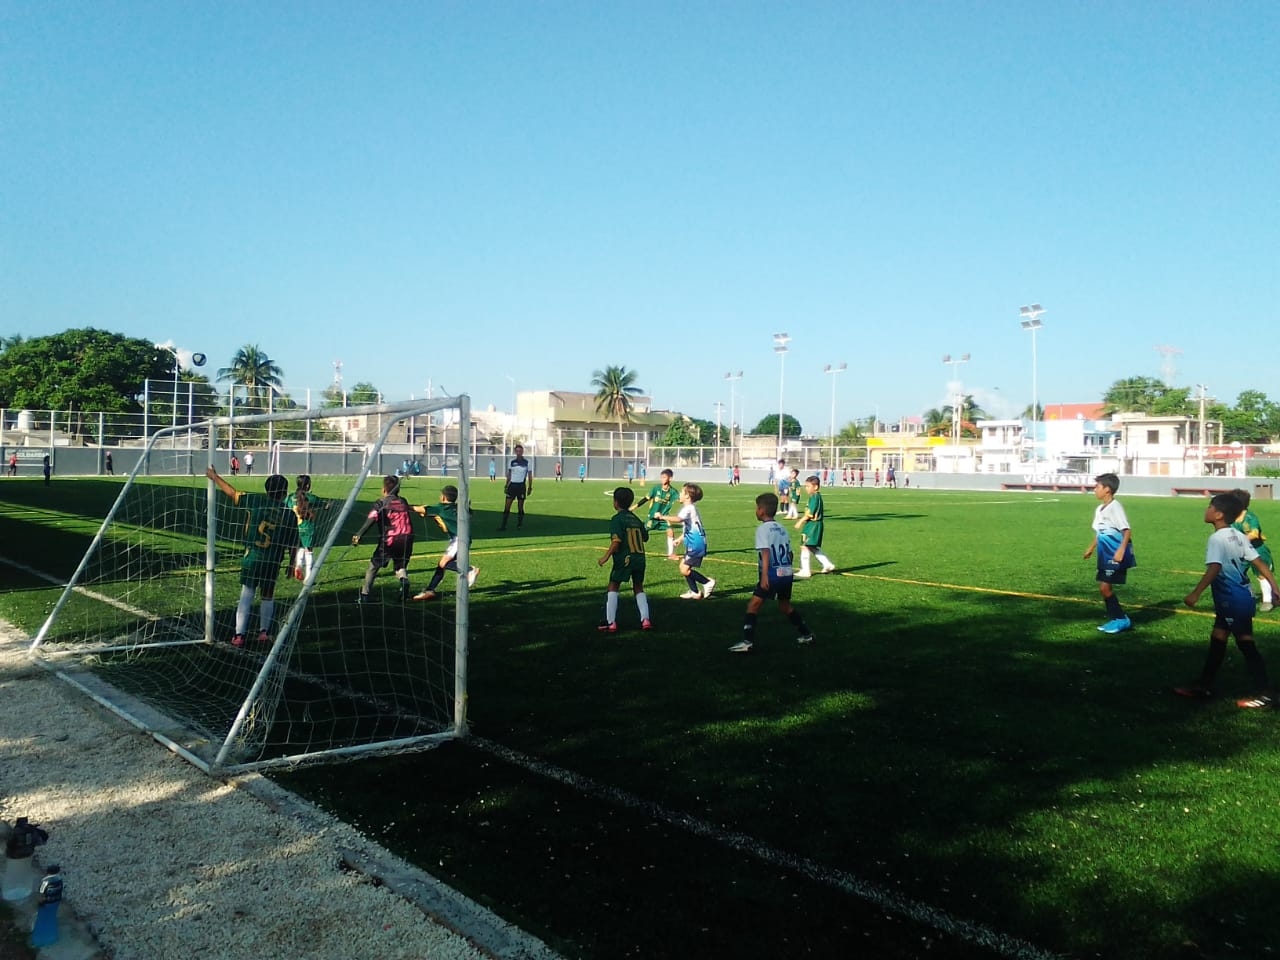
145	623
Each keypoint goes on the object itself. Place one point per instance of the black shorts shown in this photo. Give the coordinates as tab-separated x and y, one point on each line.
396	552
515	491
779	589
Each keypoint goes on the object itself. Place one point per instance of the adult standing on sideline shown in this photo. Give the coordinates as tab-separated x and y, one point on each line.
248	464
519	486
111	470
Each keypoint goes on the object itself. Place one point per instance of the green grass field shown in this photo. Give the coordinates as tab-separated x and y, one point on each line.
961	766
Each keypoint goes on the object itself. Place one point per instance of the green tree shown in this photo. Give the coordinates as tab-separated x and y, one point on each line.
1252	420
937	422
79	371
257	373
615	392
362	393
769	425
1133	395
681	433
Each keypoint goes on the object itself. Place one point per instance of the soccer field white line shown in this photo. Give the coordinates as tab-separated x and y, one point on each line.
923	913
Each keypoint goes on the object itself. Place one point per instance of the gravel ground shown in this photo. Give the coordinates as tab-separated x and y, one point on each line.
163	862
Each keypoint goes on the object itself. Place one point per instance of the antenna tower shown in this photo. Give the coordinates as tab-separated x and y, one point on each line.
337	374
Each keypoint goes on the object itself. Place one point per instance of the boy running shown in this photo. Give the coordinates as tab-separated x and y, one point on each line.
626	546
271	528
811	527
446	517
1227	560
1113	543
773	552
394	518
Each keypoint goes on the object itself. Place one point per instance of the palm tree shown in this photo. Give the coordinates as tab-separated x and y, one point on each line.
937	422
615	388
256	372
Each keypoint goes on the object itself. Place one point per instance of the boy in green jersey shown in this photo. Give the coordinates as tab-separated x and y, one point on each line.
627	536
811	526
271	530
661	499
1248	524
446	518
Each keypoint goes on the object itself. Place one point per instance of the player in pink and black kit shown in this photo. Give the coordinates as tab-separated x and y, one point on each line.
394	518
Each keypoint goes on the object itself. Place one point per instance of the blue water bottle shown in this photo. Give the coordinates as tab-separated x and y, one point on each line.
45	931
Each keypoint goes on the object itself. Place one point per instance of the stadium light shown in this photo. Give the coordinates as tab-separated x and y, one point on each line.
833	371
780	341
1031	321
733	378
959	396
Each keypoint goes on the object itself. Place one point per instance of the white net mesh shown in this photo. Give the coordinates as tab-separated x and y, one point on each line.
150	615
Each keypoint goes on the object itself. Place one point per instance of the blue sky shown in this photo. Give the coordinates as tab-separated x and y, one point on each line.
483	196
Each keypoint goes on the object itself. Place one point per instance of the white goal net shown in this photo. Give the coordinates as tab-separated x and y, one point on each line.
154	622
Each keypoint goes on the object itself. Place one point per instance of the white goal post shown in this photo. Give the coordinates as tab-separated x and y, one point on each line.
144	625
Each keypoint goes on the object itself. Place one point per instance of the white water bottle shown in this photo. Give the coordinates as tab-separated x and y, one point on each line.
19	871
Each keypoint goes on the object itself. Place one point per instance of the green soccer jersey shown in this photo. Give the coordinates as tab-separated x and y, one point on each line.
304	507
446	517
627	529
660	503
813	517
270	529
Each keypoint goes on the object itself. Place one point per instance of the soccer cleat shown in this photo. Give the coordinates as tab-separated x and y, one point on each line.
297	573
1194	691
802	574
264	637
238	640
364	598
1117	626
805	640
607	627
708	587
829	568
471	576
691	595
646	624
425	595
1265	607
1256	703
742	646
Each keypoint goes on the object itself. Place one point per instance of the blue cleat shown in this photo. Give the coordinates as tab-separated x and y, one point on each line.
1117	626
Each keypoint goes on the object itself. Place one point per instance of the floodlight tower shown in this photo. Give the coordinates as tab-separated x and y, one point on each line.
780	341
958	402
834	371
1168	363
1031	321
733	378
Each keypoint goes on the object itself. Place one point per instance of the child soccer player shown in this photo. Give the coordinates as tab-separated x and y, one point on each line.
661	499
811	527
626	546
773	554
782	486
394	518
793	494
271	528
1247	523
1113	542
304	507
1227	558
694	536
446	517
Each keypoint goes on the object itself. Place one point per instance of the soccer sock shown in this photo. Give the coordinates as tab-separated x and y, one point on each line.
698	577
611	607
804	559
243	608
1212	661
368	578
671	545
1266	591
642	604
691	582
265	614
749	628
305	553
436	578
1253	663
797	621
823	559
1114	610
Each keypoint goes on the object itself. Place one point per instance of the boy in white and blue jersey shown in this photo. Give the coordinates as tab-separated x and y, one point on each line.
1113	543
774	559
694	538
1227	561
